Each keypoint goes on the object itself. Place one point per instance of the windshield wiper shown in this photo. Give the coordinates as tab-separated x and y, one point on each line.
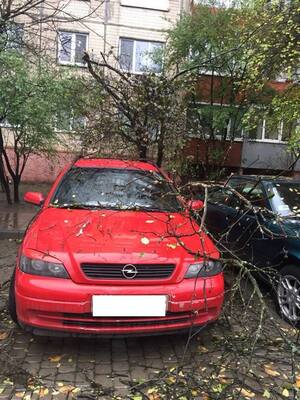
76	206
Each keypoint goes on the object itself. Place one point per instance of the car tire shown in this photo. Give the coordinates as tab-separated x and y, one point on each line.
12	309
288	294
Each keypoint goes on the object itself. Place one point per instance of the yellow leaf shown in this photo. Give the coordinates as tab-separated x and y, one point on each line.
3	335
194	392
271	371
55	359
297	383
285	393
202	349
247	393
267	394
44	392
172	245
20	394
171	380
66	389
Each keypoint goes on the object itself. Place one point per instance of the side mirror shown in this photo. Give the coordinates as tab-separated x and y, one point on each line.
36	198
195	205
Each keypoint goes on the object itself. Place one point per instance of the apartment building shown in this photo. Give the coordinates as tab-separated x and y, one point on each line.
129	29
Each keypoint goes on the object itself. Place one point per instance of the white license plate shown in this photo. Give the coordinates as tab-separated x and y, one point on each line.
129	306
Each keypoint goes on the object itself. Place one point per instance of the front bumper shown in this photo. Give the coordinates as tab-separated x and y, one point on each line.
51	304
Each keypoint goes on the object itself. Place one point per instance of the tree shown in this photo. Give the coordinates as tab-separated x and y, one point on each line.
146	111
31	100
234	53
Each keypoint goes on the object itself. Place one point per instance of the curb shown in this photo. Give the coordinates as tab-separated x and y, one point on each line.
11	233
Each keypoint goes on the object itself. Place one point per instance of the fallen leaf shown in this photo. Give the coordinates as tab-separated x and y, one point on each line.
285	393
266	394
137	397
20	395
202	349
247	393
297	383
171	380
67	389
55	359
3	335
271	372
44	392
145	240
172	245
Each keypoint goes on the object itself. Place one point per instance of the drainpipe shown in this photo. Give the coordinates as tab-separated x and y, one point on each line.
106	18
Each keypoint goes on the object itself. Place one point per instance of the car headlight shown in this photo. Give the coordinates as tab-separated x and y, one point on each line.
204	269
43	268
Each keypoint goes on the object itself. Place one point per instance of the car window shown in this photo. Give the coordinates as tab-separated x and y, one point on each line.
115	189
224	196
285	198
251	190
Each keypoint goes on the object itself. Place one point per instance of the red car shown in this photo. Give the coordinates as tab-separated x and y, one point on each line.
114	251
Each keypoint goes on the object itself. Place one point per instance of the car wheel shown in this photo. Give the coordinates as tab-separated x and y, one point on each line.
288	294
12	299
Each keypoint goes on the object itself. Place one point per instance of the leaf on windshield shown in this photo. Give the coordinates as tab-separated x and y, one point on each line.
145	240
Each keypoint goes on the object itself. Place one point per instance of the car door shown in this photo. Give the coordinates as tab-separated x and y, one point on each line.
261	247
229	221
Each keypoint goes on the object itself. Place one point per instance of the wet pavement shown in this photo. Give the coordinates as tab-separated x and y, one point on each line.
13	222
15	218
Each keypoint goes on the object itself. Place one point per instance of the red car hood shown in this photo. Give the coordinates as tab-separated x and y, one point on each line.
106	236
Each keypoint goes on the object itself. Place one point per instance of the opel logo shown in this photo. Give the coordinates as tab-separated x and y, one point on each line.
129	271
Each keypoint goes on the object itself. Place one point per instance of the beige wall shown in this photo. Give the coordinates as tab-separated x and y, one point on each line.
105	22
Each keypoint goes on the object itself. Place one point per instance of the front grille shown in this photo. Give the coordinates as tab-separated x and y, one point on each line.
114	271
87	320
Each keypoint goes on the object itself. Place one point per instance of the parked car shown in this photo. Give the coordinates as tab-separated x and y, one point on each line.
113	251
266	235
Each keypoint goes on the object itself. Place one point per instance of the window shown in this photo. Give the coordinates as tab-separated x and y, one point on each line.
111	188
251	190
267	130
68	122
139	56
71	46
161	5
224	196
12	38
216	121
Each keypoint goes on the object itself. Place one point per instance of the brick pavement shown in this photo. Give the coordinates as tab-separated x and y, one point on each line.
79	363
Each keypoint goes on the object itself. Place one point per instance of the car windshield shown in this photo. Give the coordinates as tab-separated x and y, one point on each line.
123	189
285	198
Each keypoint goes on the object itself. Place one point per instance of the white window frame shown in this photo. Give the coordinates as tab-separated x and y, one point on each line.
267	140
71	123
133	70
157	5
73	47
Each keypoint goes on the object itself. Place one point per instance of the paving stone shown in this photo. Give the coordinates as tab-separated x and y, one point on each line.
104	380
120	366
103	369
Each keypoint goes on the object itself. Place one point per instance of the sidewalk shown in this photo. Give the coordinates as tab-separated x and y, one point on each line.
15	218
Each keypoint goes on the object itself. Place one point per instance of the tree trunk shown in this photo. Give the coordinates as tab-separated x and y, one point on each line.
16	182
4	182
160	147
142	152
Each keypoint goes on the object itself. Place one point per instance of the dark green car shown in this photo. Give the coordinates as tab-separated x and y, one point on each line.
262	227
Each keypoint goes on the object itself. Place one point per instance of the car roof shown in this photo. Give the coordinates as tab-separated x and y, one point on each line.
266	178
115	163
